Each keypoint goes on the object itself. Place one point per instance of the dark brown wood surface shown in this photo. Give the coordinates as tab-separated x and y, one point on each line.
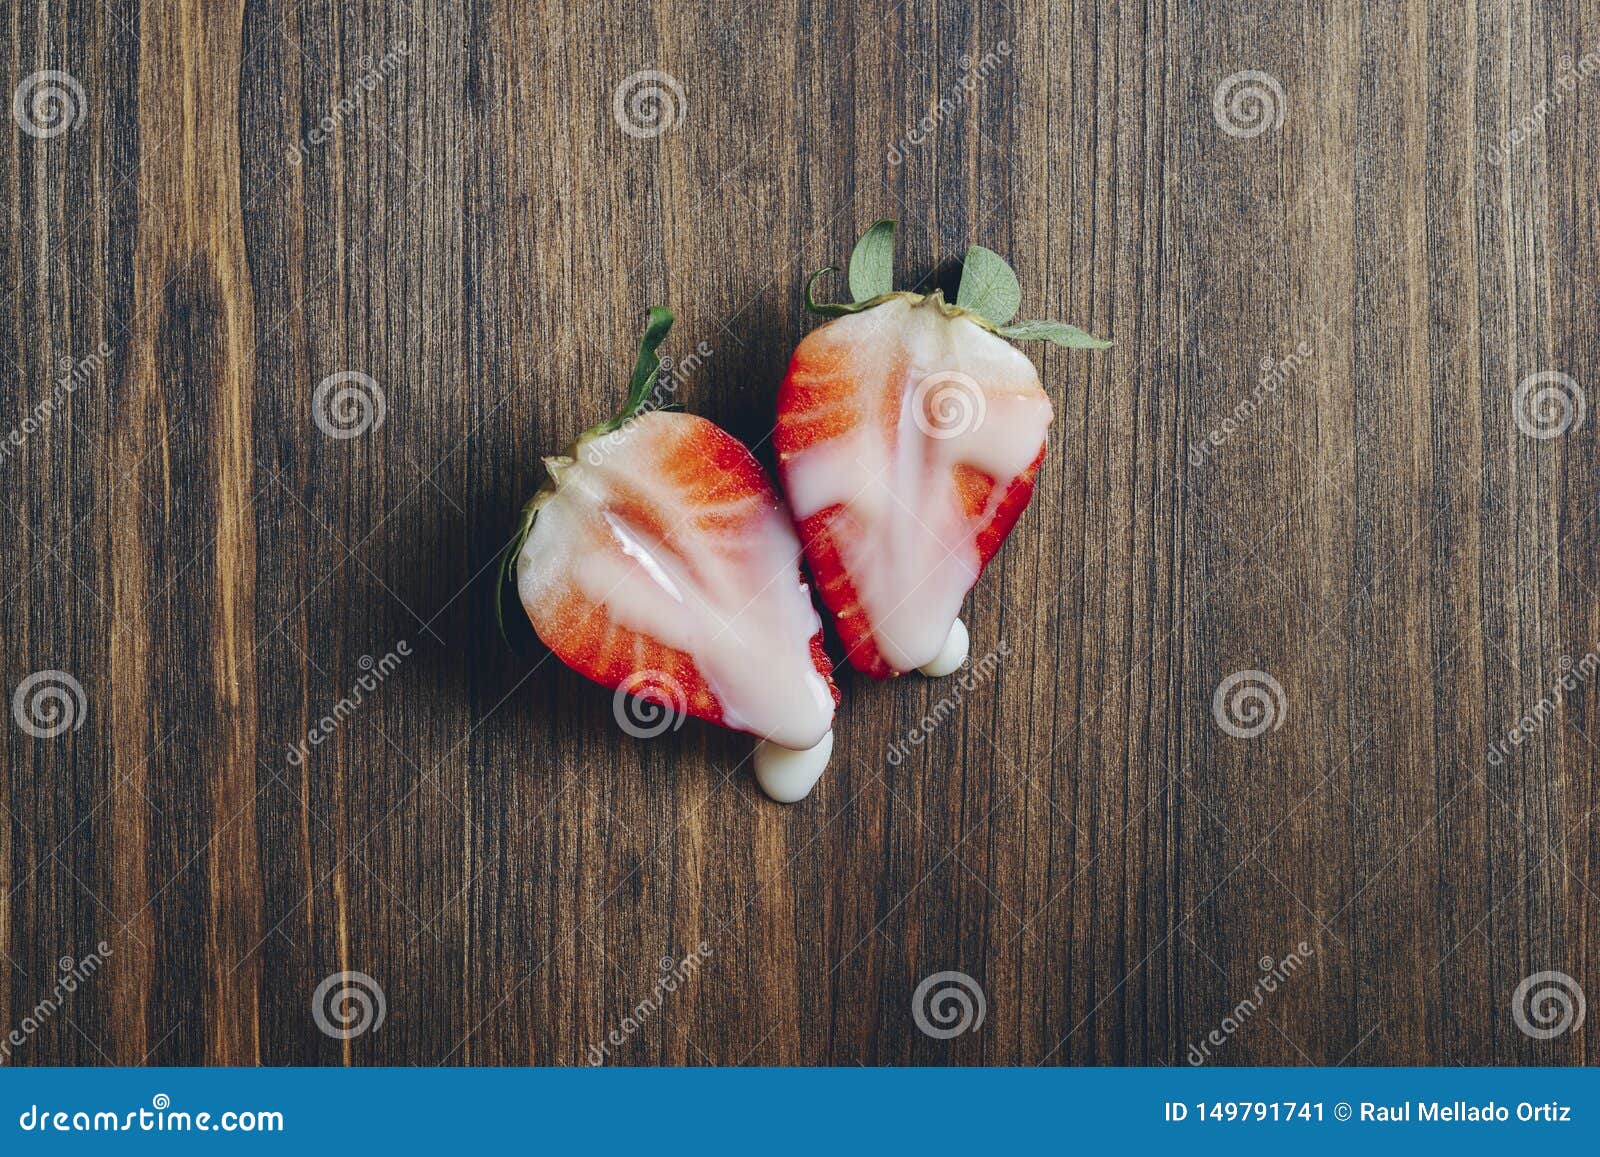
476	233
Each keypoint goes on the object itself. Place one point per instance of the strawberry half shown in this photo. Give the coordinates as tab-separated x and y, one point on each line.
657	560
909	435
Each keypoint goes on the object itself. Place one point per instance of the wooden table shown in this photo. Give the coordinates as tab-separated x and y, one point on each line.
1334	246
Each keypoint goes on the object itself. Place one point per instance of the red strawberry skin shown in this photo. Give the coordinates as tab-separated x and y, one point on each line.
852	390
661	561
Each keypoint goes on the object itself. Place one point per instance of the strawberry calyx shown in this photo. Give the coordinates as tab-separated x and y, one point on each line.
646	369
989	293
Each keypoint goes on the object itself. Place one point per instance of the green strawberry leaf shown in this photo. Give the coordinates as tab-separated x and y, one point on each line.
988	286
1057	331
644	370
872	262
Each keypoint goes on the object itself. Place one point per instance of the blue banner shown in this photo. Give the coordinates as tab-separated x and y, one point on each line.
765	1111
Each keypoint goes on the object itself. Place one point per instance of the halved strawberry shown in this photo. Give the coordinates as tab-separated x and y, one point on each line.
657	560
909	435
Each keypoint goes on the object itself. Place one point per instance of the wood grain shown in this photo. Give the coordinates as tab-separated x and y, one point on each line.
440	197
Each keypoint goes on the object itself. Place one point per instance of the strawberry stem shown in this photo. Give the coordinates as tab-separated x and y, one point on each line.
658	323
657	326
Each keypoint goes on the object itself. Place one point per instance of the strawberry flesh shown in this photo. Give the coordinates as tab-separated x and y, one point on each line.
661	561
908	440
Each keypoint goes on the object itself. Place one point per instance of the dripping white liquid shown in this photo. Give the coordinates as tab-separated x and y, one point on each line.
951	655
787	775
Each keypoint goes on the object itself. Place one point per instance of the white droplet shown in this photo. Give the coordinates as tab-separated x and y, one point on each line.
788	775
951	655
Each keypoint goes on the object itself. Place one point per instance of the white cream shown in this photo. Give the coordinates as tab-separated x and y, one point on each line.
959	396
787	775
730	597
951	655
